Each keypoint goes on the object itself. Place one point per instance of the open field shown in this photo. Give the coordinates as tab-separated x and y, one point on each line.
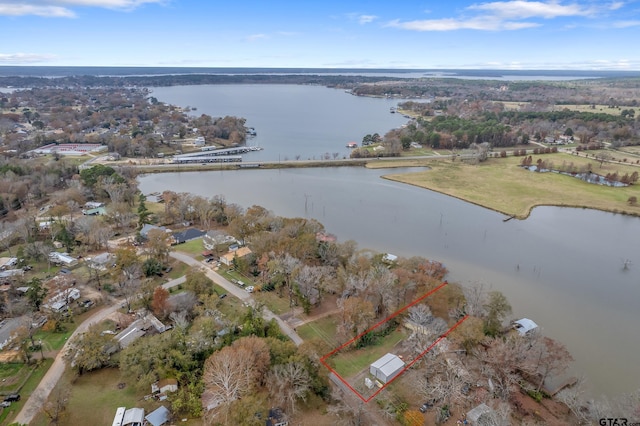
96	396
606	109
350	363
323	328
501	185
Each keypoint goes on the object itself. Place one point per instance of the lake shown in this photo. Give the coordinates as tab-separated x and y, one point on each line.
291	121
561	267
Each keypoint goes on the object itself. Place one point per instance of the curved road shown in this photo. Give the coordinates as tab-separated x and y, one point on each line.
39	396
239	293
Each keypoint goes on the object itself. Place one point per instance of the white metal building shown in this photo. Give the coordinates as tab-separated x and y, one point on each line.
387	367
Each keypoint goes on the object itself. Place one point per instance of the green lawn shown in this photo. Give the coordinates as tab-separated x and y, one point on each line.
29	386
12	375
350	363
193	247
53	341
277	305
323	328
501	185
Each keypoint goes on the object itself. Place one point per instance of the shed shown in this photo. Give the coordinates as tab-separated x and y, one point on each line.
386	368
482	415
159	416
525	326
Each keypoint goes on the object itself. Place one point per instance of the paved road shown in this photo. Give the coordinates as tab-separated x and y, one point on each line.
239	293
39	396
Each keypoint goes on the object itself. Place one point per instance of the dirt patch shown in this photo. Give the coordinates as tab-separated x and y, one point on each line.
548	412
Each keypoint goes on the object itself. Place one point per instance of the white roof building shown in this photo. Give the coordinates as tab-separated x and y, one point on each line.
133	417
387	367
525	326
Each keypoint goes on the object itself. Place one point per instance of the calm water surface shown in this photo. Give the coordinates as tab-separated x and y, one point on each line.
292	121
561	267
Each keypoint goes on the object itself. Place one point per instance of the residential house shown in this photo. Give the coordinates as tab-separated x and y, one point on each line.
164	386
187	235
227	259
214	238
62	258
98	211
61	299
101	261
139	328
7	262
10	274
93	205
147	228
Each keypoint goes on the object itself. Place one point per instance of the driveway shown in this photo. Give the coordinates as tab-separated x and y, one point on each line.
239	293
39	396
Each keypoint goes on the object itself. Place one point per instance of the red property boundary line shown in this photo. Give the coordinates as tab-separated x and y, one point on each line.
396	313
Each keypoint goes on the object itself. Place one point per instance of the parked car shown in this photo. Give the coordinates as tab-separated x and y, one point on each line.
65	271
12	397
223	295
5	404
250	289
209	260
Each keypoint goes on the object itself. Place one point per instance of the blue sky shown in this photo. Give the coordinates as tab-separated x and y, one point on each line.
517	34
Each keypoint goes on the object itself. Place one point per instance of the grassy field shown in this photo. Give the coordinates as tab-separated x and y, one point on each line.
96	396
29	386
277	305
53	341
501	185
350	363
606	109
193	247
323	328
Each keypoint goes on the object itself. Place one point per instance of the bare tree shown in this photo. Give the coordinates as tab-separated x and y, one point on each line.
290	382
234	371
56	406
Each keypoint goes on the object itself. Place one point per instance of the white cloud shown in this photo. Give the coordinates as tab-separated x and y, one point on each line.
597	65
24	58
503	15
18	9
366	19
626	24
521	9
361	18
63	8
256	37
484	23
